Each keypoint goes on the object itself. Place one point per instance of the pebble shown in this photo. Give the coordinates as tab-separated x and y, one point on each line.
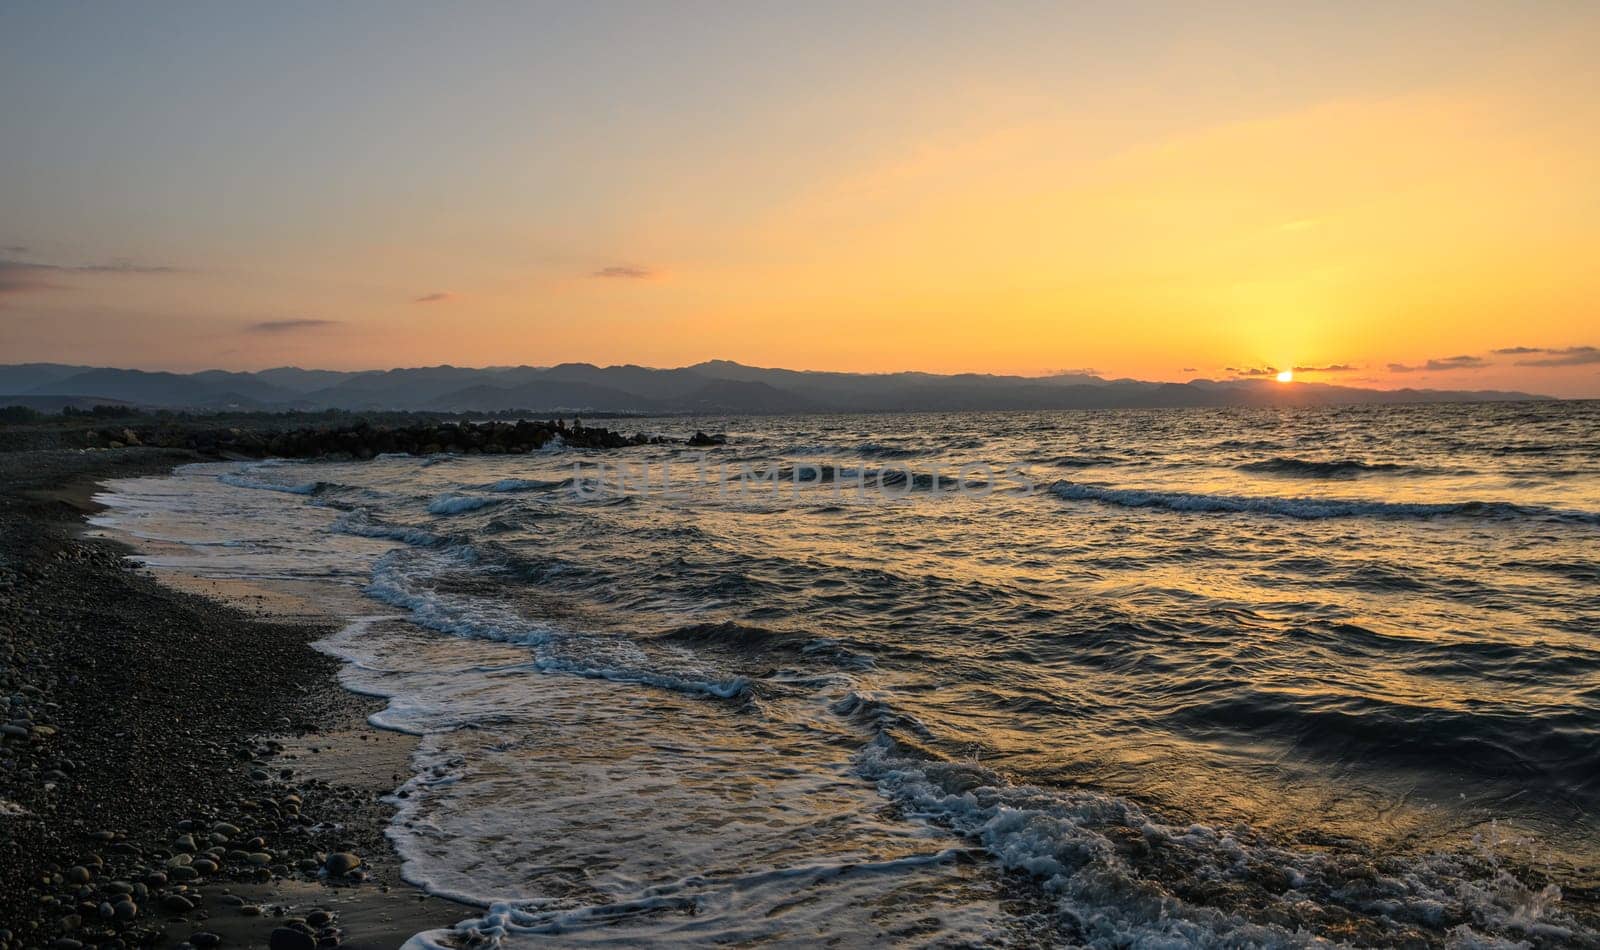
204	938
341	863
176	903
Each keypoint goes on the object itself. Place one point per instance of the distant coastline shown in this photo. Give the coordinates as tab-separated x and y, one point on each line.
713	387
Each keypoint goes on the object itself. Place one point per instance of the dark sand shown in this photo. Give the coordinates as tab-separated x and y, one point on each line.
138	713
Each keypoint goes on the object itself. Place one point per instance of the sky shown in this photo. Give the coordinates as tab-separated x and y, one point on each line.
1373	194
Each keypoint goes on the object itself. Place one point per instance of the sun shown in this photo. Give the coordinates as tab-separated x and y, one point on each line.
1287	376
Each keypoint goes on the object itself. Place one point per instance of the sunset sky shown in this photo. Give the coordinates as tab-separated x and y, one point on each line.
1382	194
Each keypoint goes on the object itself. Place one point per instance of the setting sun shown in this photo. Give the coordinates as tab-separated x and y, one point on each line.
1287	376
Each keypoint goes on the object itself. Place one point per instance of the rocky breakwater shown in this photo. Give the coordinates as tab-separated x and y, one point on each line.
363	440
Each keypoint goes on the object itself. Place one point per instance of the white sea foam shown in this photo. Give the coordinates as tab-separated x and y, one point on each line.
243	480
1067	839
360	523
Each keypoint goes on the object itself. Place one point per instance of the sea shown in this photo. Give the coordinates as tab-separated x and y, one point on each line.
1154	678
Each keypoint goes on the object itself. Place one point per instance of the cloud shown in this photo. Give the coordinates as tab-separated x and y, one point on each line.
123	267
625	271
1519	350
18	276
1571	356
1331	368
438	296
1252	370
288	326
1445	365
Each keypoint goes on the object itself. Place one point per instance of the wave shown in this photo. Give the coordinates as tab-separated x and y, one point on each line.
1314	468
478	619
1311	508
456	504
360	523
525	484
241	480
745	639
735	687
1121	877
1086	461
878	450
871	450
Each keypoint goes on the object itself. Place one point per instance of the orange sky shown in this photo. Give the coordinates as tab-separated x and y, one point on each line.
1157	192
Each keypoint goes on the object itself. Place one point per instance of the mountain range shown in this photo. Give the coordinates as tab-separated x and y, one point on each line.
717	386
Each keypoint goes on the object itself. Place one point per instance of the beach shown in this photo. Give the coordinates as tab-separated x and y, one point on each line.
172	752
1176	677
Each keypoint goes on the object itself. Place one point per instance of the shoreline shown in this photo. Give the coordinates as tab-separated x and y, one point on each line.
180	762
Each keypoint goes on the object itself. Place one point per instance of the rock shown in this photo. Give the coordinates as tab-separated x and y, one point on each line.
204	866
204	938
319	918
125	910
77	875
176	904
701	439
287	938
341	863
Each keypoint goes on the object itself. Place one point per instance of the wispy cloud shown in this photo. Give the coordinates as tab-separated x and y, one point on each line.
625	272
287	326
438	296
22	276
1570	356
1251	370
1445	365
18	277
1331	368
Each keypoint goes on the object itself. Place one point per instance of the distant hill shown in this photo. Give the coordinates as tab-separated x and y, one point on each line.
716	386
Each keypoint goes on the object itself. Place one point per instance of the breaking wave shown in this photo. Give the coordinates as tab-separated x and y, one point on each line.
1310	508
